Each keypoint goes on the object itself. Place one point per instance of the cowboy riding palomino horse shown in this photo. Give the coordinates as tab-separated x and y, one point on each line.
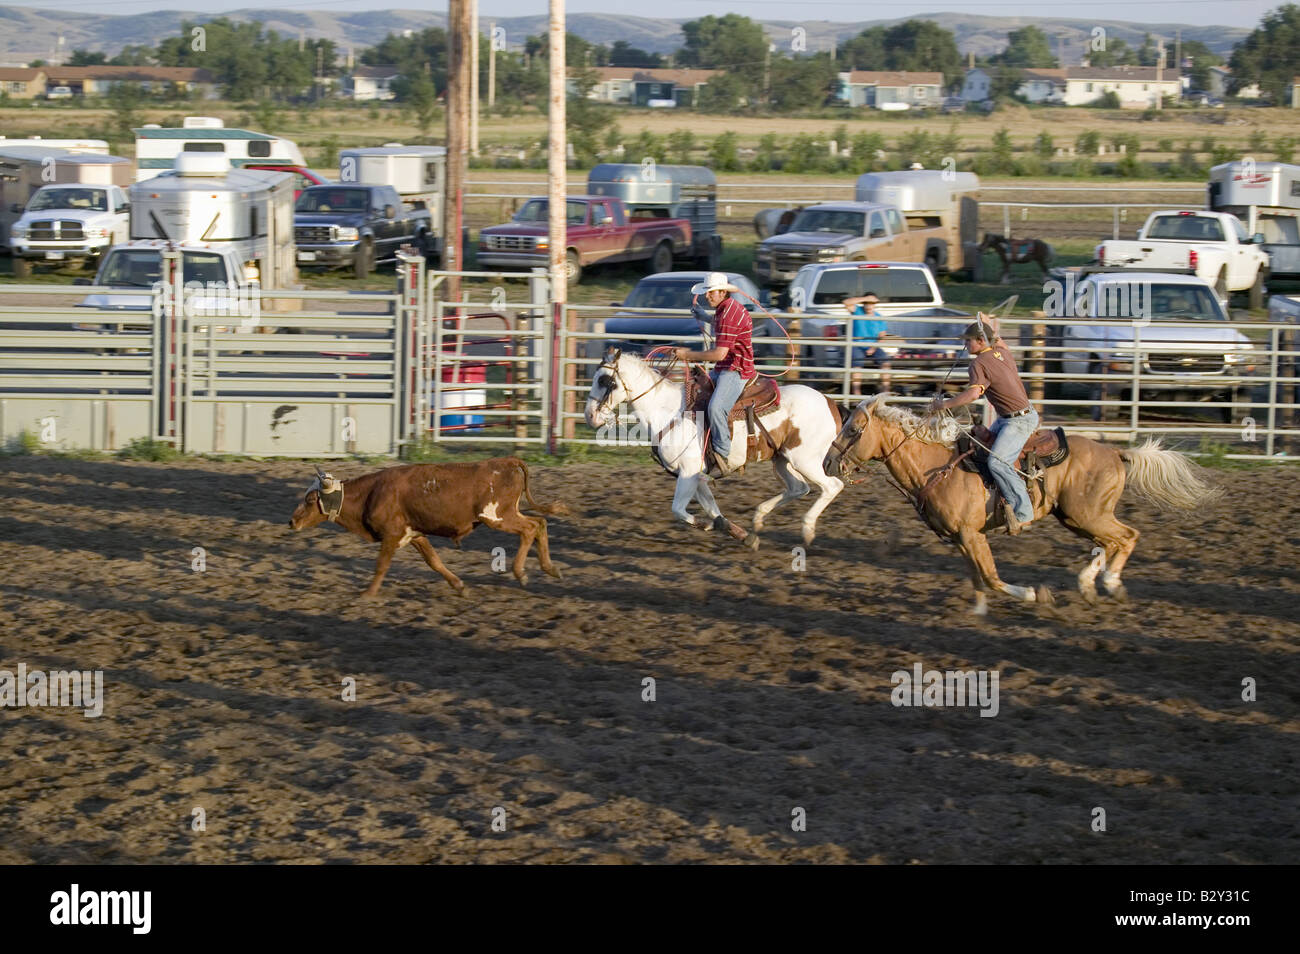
793	427
1080	490
1017	252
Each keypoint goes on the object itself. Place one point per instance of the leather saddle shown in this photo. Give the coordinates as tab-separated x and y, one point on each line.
1046	448
761	394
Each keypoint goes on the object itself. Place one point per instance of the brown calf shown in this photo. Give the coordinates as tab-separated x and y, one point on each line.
400	505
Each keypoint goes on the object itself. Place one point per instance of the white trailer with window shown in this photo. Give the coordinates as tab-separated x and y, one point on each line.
204	202
1265	196
156	147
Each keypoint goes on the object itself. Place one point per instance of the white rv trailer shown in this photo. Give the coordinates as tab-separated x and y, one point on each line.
24	169
89	147
418	173
1265	196
929	198
156	147
204	202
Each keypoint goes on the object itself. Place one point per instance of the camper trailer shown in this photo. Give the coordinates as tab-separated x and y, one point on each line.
667	192
418	173
205	202
24	169
156	148
1265	196
930	198
89	147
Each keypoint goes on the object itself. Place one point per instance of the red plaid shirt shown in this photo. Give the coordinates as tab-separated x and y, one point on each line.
733	330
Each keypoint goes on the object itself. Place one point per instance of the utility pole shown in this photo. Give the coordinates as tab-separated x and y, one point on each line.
473	81
492	66
557	182
457	139
1160	72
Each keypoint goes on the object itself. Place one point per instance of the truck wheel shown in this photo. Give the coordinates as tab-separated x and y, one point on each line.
22	267
572	267
1257	289
1221	284
363	260
662	259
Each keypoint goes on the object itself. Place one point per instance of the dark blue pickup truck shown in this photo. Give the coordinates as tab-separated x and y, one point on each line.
344	225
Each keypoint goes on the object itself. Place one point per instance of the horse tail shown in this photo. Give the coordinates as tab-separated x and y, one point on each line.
1166	478
556	509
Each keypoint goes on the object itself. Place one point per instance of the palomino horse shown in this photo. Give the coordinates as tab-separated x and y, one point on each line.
1017	252
802	427
1081	491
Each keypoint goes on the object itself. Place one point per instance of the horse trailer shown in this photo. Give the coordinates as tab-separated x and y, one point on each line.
1265	196
26	168
930	198
156	147
667	192
205	202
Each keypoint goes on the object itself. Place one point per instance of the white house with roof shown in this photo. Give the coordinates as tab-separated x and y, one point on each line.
369	82
976	86
1138	87
1221	76
1042	86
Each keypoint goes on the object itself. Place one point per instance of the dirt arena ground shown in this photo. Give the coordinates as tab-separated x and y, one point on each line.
223	687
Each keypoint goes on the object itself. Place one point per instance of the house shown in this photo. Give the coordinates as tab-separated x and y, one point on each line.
98	80
1042	86
876	88
977	86
1136	86
369	82
637	85
1220	77
24	82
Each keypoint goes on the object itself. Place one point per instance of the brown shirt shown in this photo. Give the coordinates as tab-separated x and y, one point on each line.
994	372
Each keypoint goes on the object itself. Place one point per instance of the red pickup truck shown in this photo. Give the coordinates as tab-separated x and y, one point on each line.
599	232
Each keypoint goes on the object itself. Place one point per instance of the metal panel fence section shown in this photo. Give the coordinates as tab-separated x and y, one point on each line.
483	360
1247	408
73	377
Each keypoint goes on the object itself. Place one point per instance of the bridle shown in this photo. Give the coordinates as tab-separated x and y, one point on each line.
617	378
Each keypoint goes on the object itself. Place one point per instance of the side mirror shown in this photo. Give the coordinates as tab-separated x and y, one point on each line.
389	212
877	233
1258	238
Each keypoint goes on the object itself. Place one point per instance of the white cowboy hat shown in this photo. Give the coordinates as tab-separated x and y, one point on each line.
714	281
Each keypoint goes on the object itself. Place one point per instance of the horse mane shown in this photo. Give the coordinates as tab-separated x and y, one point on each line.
933	430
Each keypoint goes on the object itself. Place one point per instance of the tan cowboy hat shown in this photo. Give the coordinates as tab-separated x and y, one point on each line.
714	281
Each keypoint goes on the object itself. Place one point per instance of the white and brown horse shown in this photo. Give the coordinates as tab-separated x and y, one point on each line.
1081	492
801	427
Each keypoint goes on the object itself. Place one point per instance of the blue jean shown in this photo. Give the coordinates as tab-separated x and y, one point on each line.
727	386
1009	436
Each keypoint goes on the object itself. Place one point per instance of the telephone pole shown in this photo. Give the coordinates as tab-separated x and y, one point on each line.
473	80
1160	72
492	66
457	138
557	192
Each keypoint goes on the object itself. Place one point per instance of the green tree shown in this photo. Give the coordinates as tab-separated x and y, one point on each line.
1004	161
918	45
423	100
1086	143
1270	55
721	94
86	58
1116	53
1284	149
1202	58
803	82
1027	48
733	43
1043	145
681	144
723	153
765	155
1148	53
622	53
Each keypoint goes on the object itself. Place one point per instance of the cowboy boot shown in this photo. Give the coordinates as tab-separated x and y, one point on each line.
1014	526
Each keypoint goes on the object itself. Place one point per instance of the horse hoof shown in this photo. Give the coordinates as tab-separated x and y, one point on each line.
1043	595
553	571
1119	594
751	541
808	537
367	595
1089	595
462	590
523	579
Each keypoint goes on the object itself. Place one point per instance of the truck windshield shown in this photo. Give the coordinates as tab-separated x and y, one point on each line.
1125	299
538	210
140	268
1186	228
333	200
837	221
94	200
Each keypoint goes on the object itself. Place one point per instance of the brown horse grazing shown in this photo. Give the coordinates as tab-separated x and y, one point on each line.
1017	252
1081	491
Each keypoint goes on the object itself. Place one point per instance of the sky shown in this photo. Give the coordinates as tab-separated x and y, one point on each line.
1242	13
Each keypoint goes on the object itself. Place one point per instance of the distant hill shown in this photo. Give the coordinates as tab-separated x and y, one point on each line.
28	33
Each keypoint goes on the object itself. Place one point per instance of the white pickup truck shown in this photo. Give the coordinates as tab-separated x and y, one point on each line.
67	223
1210	245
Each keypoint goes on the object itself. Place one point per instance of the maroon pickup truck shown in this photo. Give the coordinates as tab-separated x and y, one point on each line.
599	232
